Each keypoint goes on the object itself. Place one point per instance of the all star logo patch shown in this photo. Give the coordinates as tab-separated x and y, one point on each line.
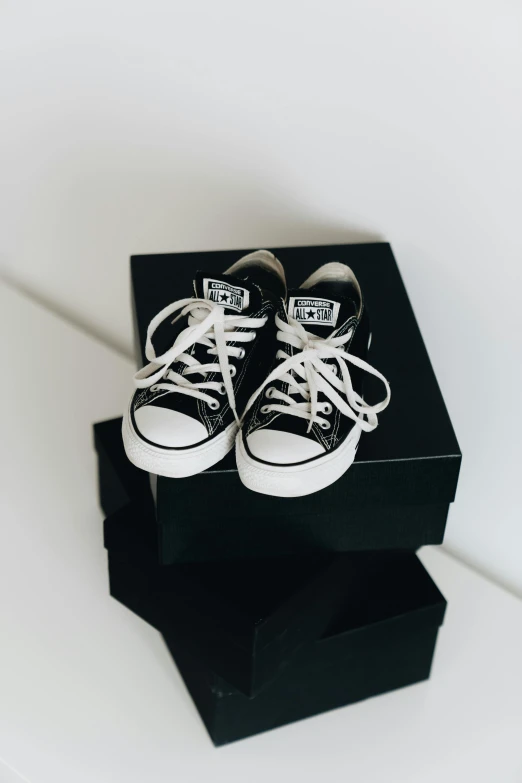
322	312
225	294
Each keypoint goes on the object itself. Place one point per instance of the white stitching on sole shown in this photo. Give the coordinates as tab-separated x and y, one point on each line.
156	460
296	480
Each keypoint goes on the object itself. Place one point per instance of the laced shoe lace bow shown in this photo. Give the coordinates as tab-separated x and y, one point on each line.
306	375
208	325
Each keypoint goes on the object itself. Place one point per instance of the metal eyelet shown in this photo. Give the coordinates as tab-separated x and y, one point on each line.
270	392
233	371
241	353
265	409
214	405
222	389
327	408
325	425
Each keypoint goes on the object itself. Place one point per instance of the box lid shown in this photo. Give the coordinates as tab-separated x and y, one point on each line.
246	619
381	640
252	601
413	456
397	589
119	481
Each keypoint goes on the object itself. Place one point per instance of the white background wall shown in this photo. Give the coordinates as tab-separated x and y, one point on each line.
151	126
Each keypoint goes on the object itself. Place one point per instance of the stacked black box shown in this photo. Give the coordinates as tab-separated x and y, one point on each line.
276	609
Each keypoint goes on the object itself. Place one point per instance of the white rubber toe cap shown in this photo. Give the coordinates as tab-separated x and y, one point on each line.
165	427
282	448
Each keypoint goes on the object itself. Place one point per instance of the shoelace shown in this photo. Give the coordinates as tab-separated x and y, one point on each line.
317	376
207	325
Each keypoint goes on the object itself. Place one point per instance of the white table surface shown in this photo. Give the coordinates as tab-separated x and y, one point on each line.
88	692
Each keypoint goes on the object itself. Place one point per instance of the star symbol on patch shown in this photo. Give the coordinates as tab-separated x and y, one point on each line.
310	314
223	298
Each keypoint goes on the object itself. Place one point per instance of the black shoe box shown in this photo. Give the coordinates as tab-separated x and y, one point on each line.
268	642
245	619
397	493
120	483
382	639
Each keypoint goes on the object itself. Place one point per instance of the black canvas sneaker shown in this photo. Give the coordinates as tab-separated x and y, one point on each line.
207	354
302	426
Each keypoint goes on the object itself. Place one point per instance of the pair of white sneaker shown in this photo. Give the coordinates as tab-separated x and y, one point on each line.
279	372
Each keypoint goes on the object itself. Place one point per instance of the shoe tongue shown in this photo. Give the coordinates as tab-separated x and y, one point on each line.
319	311
235	295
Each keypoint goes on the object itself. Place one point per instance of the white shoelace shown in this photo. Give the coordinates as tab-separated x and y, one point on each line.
307	374
207	325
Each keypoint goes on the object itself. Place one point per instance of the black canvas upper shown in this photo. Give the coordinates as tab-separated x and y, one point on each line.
265	292
351	314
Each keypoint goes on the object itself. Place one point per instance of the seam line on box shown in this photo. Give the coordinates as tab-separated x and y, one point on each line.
407	459
367	461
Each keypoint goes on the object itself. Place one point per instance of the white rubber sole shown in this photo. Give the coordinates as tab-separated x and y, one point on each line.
296	480
163	462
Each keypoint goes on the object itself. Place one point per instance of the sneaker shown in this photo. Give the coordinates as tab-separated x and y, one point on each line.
302	426
207	354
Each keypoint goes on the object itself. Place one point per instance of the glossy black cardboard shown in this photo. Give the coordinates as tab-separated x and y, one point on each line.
397	493
246	619
384	639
